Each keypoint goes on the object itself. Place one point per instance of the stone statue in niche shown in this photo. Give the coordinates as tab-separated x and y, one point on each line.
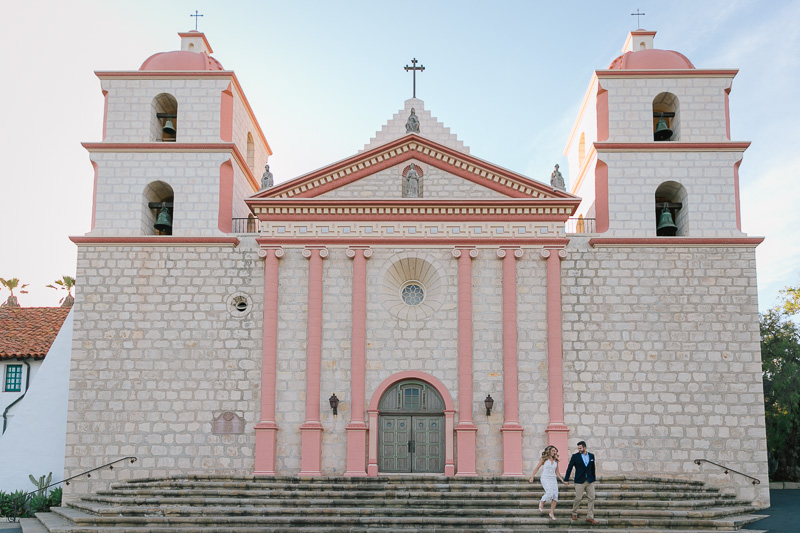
557	180
228	423
411	183
412	125
266	179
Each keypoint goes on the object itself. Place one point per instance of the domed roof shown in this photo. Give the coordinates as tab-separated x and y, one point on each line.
651	59
181	60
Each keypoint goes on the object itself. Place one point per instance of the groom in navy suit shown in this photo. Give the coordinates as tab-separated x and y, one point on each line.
585	474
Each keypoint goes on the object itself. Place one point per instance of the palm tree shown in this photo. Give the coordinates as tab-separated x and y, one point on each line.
66	282
12	284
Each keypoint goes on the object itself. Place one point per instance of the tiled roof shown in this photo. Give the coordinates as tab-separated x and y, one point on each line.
29	331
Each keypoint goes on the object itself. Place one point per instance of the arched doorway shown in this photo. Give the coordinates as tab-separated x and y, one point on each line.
411	424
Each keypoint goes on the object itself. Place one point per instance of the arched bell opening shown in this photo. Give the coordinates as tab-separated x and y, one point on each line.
164	123
251	153
666	118
158	209
671	211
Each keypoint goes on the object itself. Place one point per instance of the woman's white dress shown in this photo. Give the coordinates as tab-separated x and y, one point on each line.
549	481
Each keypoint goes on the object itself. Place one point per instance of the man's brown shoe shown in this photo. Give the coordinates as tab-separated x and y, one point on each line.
574	517
592	521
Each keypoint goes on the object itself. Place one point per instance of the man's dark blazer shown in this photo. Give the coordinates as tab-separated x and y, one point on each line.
583	473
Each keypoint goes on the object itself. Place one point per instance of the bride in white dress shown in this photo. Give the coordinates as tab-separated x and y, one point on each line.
550	476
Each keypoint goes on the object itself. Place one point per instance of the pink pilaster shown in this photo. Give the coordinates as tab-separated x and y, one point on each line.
267	429
511	429
311	430
357	428
465	430
557	431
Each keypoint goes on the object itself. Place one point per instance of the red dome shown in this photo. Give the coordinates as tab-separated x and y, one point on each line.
181	60
651	59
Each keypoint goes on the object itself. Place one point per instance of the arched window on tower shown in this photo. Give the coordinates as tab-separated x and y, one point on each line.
671	210
582	150
164	124
666	118
251	153
158	208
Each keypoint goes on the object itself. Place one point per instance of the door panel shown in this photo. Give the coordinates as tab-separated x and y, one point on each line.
428	437
411	444
394	437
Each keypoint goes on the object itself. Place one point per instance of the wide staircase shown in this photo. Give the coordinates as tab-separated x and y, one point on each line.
398	503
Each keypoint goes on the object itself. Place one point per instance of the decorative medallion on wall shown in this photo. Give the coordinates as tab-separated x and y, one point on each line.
412	181
228	423
412	287
239	304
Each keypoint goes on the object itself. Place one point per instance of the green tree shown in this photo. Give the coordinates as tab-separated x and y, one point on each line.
67	283
11	285
780	357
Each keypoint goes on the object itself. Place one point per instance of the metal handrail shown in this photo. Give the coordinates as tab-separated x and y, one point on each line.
88	473
727	470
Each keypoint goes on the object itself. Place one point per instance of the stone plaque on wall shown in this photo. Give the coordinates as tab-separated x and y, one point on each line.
228	423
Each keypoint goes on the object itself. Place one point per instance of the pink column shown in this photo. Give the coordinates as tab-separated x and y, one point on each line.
357	429
511	430
465	430
372	461
311	430
267	429
556	430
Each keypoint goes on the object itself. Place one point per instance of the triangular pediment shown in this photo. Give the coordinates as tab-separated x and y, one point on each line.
477	175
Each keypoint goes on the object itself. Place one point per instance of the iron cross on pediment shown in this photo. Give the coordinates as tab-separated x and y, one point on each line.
414	70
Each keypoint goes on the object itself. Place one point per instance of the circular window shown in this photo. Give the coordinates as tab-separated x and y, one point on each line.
412	293
239	304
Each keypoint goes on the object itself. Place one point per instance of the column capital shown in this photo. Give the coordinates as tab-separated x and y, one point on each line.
264	251
561	252
502	252
351	252
307	252
471	250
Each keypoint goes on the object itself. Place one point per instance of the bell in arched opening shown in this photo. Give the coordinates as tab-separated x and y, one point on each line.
666	226
169	127
662	133
164	221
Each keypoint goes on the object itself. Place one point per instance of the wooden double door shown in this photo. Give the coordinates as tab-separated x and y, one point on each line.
412	443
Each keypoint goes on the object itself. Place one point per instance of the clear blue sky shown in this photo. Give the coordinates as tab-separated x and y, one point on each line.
322	77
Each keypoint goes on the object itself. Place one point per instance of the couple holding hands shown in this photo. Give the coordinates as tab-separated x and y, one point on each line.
585	474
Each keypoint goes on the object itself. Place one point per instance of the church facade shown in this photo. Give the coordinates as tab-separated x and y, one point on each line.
414	308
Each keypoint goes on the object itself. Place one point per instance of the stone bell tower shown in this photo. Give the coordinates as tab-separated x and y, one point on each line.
654	135
181	147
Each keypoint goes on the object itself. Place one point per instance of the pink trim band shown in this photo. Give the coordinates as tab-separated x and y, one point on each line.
605	147
511	430
420	241
678	242
267	430
311	430
357	429
157	240
465	430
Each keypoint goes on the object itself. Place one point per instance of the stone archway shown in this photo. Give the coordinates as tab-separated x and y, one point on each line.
426	381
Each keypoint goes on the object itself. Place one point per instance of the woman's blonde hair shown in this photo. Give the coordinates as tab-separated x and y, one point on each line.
546	453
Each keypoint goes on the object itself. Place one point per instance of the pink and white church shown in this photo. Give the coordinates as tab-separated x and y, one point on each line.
413	285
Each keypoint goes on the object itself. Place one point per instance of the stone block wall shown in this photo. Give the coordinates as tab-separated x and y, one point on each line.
661	356
123	177
662	361
157	354
707	177
129	111
701	107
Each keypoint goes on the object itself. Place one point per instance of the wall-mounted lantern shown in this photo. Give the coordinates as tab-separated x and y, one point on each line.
489	403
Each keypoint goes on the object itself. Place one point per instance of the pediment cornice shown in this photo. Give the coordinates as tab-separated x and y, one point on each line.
411	146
